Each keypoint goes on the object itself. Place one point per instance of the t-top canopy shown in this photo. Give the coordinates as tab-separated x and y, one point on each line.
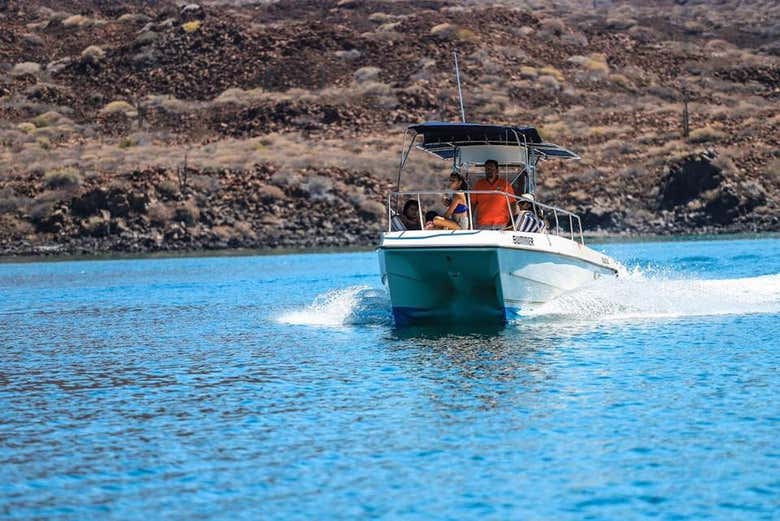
474	133
444	139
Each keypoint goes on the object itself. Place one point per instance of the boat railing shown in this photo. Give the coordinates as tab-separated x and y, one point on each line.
557	226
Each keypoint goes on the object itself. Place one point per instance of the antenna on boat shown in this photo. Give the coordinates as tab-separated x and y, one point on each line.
460	93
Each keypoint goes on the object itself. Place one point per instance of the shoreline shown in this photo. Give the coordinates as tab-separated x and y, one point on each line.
595	239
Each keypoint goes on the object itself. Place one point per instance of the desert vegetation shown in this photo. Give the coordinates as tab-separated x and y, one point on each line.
183	107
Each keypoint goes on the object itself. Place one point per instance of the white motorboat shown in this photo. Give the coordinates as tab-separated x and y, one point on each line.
473	274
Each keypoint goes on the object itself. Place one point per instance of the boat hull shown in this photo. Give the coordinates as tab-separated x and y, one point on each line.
431	281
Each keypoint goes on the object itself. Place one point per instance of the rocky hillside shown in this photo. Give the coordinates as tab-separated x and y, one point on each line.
158	125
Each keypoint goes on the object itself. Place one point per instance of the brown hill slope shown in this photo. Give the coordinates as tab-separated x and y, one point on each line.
95	91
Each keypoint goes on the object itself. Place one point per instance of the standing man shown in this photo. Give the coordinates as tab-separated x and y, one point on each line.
492	209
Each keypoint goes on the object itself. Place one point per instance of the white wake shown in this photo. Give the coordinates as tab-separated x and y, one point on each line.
634	295
355	305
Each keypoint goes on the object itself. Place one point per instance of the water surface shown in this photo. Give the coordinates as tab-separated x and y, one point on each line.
276	387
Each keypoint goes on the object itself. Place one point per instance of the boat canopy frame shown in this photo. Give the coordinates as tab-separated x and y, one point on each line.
474	143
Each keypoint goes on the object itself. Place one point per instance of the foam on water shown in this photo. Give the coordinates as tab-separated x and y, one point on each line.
636	294
348	306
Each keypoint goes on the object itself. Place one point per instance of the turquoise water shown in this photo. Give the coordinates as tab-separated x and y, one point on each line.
276	387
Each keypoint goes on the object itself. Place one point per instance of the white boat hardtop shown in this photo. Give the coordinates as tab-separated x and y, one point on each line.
483	274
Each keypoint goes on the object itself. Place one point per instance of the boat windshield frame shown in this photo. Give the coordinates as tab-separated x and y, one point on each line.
511	200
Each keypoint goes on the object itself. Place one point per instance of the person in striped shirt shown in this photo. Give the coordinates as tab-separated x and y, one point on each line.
528	219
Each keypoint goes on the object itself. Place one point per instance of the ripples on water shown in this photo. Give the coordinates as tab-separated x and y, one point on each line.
277	387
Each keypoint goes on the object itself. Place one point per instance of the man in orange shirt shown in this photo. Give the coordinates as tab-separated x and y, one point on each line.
492	209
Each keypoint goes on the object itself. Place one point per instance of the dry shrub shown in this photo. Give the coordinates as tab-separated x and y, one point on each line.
56	66
41	208
239	231
10	202
160	213
21	69
16	227
718	47
47	119
187	212
77	20
664	92
92	54
620	23
467	35
191	27
555	130
548	82
171	104
284	180
204	183
528	72
119	107
725	165
167	188
351	54
444	31
594	65
772	170
365	74
706	134
512	52
694	27
621	81
319	188
552	71
372	211
389	27
33	39
244	230
638	74
374	89
133	18
383	36
603	131
240	96
26	127
576	39
62	178
554	26
597	67
234	96
271	193
381	18
615	148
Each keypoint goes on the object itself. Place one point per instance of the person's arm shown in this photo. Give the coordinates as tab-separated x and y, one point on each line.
456	199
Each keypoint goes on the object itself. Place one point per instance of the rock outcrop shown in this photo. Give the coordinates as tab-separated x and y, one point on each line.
157	210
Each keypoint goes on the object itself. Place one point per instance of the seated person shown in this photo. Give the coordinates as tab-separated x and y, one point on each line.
430	218
456	216
410	215
528	217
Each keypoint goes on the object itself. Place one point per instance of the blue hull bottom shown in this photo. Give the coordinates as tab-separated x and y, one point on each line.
405	316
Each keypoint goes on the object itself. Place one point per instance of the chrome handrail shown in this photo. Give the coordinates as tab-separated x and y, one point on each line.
510	199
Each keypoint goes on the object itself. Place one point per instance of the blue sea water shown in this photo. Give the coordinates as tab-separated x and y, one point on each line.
276	387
